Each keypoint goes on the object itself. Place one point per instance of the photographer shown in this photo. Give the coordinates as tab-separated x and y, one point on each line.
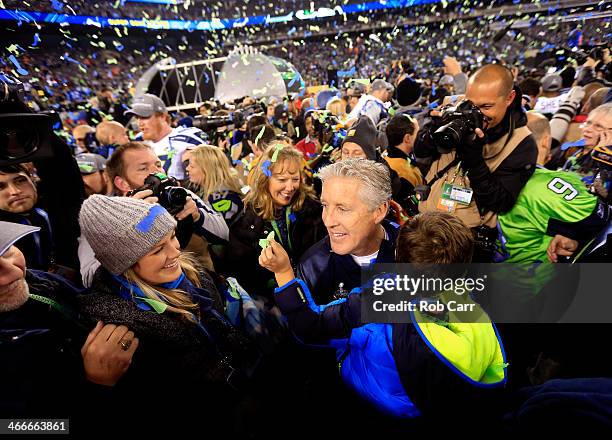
401	133
243	148
84	137
51	198
282	121
598	60
129	169
482	152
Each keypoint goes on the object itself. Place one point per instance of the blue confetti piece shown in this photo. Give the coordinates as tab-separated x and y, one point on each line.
295	78
36	40
265	167
292	217
57	5
20	70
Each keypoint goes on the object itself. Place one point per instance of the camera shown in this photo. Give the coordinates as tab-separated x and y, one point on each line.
236	119
458	122
167	190
24	136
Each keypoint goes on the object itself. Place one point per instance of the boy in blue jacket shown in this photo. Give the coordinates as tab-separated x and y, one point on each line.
421	367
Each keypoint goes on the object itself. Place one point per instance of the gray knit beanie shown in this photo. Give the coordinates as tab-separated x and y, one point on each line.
122	230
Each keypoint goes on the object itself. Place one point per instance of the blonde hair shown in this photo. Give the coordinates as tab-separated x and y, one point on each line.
178	301
259	197
215	169
336	107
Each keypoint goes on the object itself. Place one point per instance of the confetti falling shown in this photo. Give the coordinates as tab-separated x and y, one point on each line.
366	44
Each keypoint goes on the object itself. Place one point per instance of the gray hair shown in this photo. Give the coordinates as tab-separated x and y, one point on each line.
373	176
606	109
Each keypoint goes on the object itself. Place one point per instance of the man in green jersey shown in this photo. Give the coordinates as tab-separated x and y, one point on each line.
553	212
554	209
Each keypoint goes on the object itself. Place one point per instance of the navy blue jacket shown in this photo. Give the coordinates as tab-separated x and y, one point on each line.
323	270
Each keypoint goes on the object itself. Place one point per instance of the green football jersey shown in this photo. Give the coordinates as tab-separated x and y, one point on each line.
548	195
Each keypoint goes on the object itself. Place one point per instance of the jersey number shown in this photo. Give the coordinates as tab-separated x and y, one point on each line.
560	186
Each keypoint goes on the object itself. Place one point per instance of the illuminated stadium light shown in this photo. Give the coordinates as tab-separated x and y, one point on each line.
203	25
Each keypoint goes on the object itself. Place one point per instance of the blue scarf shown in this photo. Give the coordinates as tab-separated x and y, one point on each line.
132	292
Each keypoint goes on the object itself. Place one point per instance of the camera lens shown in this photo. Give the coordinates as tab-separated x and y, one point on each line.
175	197
447	137
18	142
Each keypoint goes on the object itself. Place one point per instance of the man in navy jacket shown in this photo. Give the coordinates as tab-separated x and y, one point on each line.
355	199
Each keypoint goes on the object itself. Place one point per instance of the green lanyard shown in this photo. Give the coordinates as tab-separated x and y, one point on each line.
57	306
287	223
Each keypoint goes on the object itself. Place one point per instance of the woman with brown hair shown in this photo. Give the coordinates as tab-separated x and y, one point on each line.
279	202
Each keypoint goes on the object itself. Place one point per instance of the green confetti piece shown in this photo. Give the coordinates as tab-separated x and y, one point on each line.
277	149
158	306
86	168
327	148
233	290
261	132
265	242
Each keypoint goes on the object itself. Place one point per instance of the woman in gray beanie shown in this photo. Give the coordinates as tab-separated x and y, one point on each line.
147	284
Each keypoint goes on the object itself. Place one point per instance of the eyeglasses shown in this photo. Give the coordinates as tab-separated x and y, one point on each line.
595	126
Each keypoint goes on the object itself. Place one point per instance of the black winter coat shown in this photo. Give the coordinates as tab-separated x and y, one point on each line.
41	373
243	251
175	357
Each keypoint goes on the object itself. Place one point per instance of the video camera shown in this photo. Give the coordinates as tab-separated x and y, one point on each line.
235	119
24	136
458	121
167	190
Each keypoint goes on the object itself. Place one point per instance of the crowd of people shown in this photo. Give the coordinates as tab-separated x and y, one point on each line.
164	272
68	72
